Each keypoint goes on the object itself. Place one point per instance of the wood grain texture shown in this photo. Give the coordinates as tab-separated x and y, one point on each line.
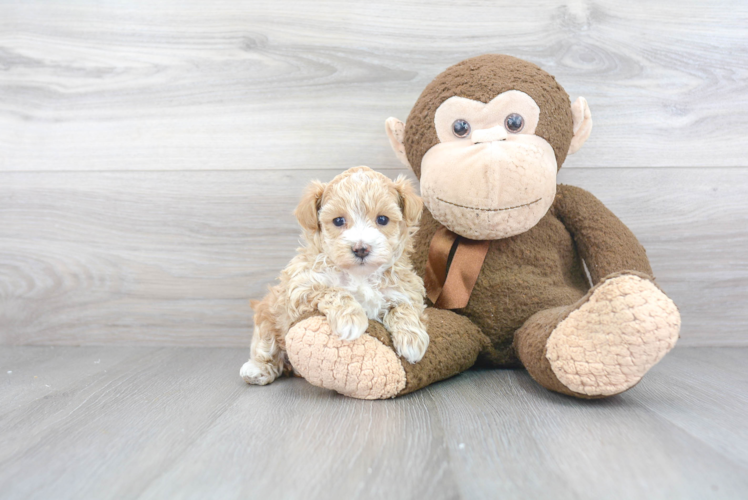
136	416
392	450
171	258
31	374
179	423
135	85
696	377
517	440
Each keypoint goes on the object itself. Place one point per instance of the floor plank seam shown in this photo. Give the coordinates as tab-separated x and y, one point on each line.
197	437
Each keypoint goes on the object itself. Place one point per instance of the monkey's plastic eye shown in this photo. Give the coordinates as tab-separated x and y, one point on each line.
514	123
339	221
382	220
461	128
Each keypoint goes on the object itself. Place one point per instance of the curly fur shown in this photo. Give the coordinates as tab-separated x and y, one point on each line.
328	276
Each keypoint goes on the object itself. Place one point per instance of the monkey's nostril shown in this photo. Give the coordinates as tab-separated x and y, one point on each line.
361	250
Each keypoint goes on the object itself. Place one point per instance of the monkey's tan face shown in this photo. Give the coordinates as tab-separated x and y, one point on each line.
490	176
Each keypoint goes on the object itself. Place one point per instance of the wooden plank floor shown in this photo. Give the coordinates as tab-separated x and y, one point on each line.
173	422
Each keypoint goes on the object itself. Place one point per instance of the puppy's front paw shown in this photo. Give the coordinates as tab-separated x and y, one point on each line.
256	373
350	324
410	343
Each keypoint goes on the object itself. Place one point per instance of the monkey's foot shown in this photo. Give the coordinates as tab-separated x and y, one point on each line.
607	344
364	368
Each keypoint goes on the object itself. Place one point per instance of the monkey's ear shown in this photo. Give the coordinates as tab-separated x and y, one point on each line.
396	131
582	119
410	203
306	211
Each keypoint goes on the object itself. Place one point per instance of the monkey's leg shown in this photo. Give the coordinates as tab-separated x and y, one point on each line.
603	344
369	368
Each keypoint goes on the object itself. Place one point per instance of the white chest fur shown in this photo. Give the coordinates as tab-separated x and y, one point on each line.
367	292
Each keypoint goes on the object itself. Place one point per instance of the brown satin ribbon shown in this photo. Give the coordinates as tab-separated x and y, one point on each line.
436	266
451	288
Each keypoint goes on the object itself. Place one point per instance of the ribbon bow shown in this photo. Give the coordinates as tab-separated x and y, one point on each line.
453	266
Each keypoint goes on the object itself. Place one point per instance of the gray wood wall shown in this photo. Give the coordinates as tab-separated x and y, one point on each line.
151	152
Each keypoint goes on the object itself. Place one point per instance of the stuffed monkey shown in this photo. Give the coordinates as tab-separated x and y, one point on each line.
502	249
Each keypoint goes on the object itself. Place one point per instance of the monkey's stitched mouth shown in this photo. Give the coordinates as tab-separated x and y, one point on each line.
489	209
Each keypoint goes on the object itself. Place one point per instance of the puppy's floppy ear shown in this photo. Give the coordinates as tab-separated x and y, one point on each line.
410	203
306	211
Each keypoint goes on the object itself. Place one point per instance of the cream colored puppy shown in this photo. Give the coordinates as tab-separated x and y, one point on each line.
354	266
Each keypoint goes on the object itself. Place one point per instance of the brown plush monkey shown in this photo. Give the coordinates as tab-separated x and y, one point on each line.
502	250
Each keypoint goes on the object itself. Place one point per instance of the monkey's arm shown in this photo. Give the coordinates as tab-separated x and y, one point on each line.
604	242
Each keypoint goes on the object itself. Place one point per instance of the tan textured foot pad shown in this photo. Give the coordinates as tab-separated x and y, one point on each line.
364	368
607	345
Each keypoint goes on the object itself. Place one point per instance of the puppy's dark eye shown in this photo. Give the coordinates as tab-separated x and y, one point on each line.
382	220
339	221
514	123
461	128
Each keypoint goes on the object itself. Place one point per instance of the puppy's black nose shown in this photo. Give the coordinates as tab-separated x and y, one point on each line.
360	250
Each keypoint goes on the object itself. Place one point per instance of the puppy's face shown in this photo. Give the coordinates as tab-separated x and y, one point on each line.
361	220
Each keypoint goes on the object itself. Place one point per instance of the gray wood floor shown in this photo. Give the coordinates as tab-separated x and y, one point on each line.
174	422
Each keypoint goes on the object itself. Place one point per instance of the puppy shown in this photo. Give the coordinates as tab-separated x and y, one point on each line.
353	266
